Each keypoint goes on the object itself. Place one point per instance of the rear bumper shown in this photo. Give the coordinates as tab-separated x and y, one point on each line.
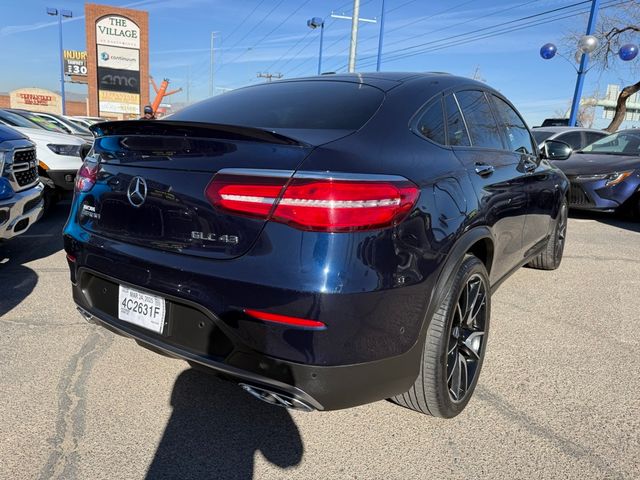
19	212
62	179
319	387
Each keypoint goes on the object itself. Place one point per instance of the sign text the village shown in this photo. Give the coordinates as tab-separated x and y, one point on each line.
117	31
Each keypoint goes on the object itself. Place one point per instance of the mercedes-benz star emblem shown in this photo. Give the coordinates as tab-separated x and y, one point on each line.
137	191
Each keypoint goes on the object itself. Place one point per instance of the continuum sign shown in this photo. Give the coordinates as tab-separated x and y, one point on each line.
116	57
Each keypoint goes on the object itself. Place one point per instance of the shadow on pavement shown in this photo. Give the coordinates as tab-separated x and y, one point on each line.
624	221
216	429
41	240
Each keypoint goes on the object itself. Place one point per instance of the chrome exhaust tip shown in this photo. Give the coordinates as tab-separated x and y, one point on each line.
276	398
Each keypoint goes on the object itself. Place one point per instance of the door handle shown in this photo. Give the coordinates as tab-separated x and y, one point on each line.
484	169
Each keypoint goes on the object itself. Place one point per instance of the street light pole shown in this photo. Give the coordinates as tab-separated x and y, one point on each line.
354	36
67	14
320	52
314	23
380	37
584	62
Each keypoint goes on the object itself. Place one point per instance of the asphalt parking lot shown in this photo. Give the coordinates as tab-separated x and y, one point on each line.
558	396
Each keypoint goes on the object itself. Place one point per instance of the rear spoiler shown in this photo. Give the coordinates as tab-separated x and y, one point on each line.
174	128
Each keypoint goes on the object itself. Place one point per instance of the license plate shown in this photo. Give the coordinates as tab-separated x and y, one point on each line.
141	308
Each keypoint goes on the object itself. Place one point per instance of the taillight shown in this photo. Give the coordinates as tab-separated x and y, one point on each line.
244	194
318	202
86	176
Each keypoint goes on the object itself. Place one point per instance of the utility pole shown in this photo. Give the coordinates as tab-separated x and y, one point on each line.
355	20
354	36
269	76
211	84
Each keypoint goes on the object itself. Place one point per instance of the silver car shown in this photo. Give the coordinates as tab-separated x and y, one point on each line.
576	137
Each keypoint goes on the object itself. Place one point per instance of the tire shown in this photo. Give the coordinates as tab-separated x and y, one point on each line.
551	257
50	196
438	389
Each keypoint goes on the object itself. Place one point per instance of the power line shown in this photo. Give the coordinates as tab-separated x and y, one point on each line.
422	19
273	30
610	4
342	38
290	49
251	30
528	17
244	20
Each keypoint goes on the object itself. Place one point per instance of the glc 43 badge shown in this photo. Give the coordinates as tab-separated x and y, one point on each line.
211	237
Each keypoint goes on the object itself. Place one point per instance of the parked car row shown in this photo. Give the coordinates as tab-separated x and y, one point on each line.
605	175
60	146
21	201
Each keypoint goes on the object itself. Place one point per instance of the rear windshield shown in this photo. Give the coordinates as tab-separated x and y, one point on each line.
541	135
288	105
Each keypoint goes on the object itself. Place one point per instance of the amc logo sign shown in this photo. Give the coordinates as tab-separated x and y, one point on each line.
118	80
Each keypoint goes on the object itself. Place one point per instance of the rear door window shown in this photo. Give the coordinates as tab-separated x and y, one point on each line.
479	119
457	134
431	123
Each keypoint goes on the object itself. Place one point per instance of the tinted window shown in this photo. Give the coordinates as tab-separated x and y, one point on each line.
574	139
541	135
457	134
431	124
308	105
515	131
480	122
593	136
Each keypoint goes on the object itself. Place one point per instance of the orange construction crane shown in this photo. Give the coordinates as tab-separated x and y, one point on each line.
161	92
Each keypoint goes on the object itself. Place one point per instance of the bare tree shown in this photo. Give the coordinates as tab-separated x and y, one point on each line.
617	27
586	112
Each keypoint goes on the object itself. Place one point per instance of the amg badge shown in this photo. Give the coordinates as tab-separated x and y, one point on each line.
211	237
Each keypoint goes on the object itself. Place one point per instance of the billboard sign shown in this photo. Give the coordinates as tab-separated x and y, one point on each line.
116	80
75	63
119	58
117	31
119	102
35	99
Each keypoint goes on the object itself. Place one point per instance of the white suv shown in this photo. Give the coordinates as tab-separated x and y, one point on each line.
59	155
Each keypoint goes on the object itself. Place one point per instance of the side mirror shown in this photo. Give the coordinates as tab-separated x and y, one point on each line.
556	150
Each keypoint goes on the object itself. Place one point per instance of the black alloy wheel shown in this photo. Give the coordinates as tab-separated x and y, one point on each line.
466	338
455	344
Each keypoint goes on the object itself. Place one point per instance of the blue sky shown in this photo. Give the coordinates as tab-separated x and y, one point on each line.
265	40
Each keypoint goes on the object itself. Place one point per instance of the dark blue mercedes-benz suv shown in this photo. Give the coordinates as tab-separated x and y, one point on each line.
324	242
